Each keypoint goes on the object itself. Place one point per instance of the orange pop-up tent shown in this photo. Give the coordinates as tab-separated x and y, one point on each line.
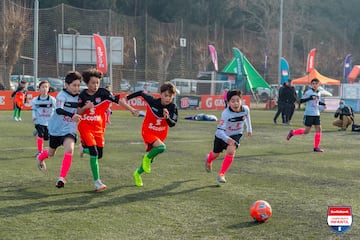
315	74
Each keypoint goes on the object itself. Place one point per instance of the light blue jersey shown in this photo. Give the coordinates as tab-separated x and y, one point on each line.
312	105
61	125
232	123
43	109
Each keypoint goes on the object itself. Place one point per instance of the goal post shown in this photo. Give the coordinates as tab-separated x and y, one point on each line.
201	87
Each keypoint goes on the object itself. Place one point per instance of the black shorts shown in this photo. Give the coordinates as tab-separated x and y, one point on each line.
311	120
42	131
220	145
56	141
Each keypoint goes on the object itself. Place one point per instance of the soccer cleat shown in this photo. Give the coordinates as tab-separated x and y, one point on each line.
317	149
208	166
137	178
290	134
41	164
221	178
16	119
99	186
146	164
19	119
60	182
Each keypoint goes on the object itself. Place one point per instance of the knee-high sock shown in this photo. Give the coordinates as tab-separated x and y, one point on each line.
228	159
40	143
94	164
140	169
43	155
19	113
317	139
156	151
15	111
299	131
66	164
210	157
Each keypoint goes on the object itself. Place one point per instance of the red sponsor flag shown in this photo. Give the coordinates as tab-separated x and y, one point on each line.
311	60
213	55
100	54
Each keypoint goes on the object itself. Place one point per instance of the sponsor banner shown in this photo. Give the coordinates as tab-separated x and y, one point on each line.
188	102
7	103
216	102
206	102
310	65
339	218
100	50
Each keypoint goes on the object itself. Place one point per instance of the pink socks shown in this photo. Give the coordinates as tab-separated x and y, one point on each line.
40	143
317	139
66	164
228	159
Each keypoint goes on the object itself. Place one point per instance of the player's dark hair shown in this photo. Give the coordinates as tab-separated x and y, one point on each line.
44	82
72	76
315	80
231	93
168	86
91	72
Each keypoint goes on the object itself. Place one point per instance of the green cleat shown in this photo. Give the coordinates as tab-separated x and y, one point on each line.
146	164
137	178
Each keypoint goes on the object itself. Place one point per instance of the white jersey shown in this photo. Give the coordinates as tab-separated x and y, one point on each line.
61	125
311	98
43	109
232	123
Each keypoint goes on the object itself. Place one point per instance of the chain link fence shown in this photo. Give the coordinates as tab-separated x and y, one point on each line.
158	52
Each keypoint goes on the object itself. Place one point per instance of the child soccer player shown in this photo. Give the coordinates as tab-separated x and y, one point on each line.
93	104
19	96
43	108
229	132
62	126
311	115
161	113
108	111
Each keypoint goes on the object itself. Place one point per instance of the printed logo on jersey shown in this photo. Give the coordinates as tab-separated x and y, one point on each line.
97	100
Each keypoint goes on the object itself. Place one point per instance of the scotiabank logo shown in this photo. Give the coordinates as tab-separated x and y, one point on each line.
184	102
339	218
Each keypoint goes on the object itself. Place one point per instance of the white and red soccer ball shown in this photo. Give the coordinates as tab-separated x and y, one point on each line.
260	211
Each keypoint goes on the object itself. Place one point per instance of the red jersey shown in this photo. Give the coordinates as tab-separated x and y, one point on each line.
155	126
93	119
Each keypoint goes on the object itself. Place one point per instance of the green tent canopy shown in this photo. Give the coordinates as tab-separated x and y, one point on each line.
254	79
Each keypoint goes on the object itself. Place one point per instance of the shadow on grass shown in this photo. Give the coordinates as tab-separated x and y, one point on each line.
166	190
83	202
245	225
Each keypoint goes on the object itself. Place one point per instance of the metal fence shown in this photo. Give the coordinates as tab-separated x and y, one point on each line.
158	52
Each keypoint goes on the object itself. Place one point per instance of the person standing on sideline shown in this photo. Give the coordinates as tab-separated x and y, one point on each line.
280	106
19	96
289	98
345	114
43	107
229	132
93	104
161	113
62	126
311	115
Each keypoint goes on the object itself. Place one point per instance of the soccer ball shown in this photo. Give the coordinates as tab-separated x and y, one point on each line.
260	211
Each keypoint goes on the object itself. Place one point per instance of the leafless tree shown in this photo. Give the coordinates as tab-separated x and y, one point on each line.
15	25
164	45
